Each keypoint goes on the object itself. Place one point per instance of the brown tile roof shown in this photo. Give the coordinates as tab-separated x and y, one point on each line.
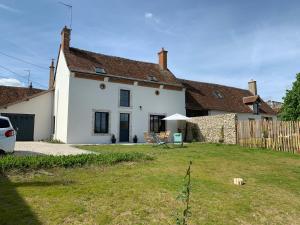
10	95
251	99
206	96
85	61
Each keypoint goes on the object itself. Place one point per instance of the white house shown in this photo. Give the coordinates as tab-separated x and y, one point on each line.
92	97
97	96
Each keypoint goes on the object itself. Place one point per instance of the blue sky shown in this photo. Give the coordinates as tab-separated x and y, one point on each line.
227	42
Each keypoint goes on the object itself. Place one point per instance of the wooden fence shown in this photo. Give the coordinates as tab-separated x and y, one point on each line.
277	135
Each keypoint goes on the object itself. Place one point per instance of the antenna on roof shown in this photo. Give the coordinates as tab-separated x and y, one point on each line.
28	78
70	8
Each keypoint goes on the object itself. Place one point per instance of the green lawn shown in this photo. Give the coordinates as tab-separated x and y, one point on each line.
145	192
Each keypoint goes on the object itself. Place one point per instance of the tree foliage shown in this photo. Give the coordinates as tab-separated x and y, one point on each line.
291	105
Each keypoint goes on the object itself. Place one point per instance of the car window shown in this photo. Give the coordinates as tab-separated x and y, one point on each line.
4	123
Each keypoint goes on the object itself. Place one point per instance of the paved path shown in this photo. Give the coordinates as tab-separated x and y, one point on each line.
44	148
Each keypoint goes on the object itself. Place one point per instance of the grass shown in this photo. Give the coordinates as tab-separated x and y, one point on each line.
11	162
145	192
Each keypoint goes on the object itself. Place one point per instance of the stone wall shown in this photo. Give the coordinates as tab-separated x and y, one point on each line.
216	129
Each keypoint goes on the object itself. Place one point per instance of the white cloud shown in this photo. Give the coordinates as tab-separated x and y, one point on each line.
10	82
150	16
8	8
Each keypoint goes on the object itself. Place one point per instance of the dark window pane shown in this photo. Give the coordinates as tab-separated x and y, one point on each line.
255	108
124	98
101	122
151	123
4	123
124	121
53	128
157	124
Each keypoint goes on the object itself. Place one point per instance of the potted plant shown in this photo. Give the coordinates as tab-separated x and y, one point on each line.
135	139
113	139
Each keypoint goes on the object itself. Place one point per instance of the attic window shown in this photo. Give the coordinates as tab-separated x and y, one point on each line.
218	94
152	78
100	70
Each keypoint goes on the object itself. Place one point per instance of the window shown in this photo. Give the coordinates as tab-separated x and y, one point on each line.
124	98
53	128
100	70
157	124
267	118
152	78
218	94
4	123
101	122
102	86
256	108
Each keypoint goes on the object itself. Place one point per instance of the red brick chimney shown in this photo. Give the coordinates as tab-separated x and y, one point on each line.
163	59
65	39
51	75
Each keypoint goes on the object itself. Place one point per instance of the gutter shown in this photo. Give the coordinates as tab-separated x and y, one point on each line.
127	78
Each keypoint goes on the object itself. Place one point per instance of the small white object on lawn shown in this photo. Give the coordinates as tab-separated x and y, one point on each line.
238	181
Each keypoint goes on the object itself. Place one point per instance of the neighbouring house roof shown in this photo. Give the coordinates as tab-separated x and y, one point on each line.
10	95
85	61
207	96
276	106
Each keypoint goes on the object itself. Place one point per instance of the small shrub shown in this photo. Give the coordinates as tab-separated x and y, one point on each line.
265	133
195	133
53	141
11	162
222	136
184	196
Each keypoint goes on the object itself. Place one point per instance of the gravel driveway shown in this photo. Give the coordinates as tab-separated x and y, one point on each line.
44	148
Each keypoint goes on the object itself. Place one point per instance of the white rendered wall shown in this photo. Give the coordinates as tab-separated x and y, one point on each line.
216	112
86	97
61	99
247	116
41	106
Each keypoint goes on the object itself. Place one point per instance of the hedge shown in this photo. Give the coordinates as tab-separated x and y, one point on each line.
11	162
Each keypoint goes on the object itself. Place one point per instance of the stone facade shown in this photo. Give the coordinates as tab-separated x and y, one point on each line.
215	129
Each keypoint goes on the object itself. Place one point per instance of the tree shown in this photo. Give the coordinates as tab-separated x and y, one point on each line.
291	105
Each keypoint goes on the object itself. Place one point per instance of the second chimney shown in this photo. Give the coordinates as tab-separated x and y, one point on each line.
51	75
252	87
163	59
65	38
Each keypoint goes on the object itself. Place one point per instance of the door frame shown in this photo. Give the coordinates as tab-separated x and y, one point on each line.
130	126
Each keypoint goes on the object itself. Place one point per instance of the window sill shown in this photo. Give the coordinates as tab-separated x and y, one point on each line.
125	107
101	134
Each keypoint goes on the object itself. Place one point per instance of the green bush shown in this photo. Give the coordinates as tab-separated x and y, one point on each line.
11	162
53	141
